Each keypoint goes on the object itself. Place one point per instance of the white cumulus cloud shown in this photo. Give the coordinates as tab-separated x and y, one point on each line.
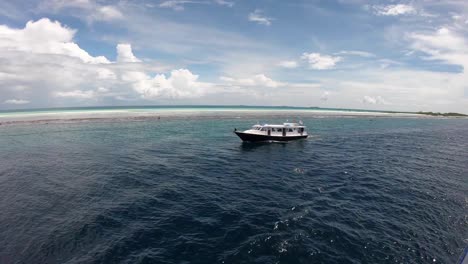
325	96
180	84
444	44
360	53
258	17
224	3
103	90
107	13
288	64
61	4
45	37
77	94
259	80
88	10
394	10
44	58
374	100
105	74
177	5
16	101
125	53
318	61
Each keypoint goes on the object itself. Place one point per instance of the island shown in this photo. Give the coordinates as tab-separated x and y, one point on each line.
442	114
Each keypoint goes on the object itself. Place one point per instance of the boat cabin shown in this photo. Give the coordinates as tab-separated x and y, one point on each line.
272	133
286	129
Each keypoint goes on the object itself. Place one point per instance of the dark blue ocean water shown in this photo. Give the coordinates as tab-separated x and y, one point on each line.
186	190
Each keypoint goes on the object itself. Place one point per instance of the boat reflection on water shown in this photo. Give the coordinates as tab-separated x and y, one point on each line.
273	145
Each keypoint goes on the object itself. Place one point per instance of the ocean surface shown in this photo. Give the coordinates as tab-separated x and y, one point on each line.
185	189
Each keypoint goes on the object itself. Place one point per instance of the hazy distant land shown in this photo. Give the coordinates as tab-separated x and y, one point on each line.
443	114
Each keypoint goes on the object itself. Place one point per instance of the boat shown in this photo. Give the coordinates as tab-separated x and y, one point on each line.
272	133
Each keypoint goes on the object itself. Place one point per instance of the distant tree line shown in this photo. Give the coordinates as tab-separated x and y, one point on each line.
440	114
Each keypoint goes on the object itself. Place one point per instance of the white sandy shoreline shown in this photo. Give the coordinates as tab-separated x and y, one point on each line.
69	115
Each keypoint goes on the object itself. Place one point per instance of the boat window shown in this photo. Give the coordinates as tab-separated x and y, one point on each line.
290	130
263	129
280	130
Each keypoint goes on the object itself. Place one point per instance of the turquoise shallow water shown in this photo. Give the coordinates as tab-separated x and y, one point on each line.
186	190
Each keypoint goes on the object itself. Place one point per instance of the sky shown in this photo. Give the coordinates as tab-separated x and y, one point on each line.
383	55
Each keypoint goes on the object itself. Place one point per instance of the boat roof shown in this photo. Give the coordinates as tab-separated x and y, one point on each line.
280	126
